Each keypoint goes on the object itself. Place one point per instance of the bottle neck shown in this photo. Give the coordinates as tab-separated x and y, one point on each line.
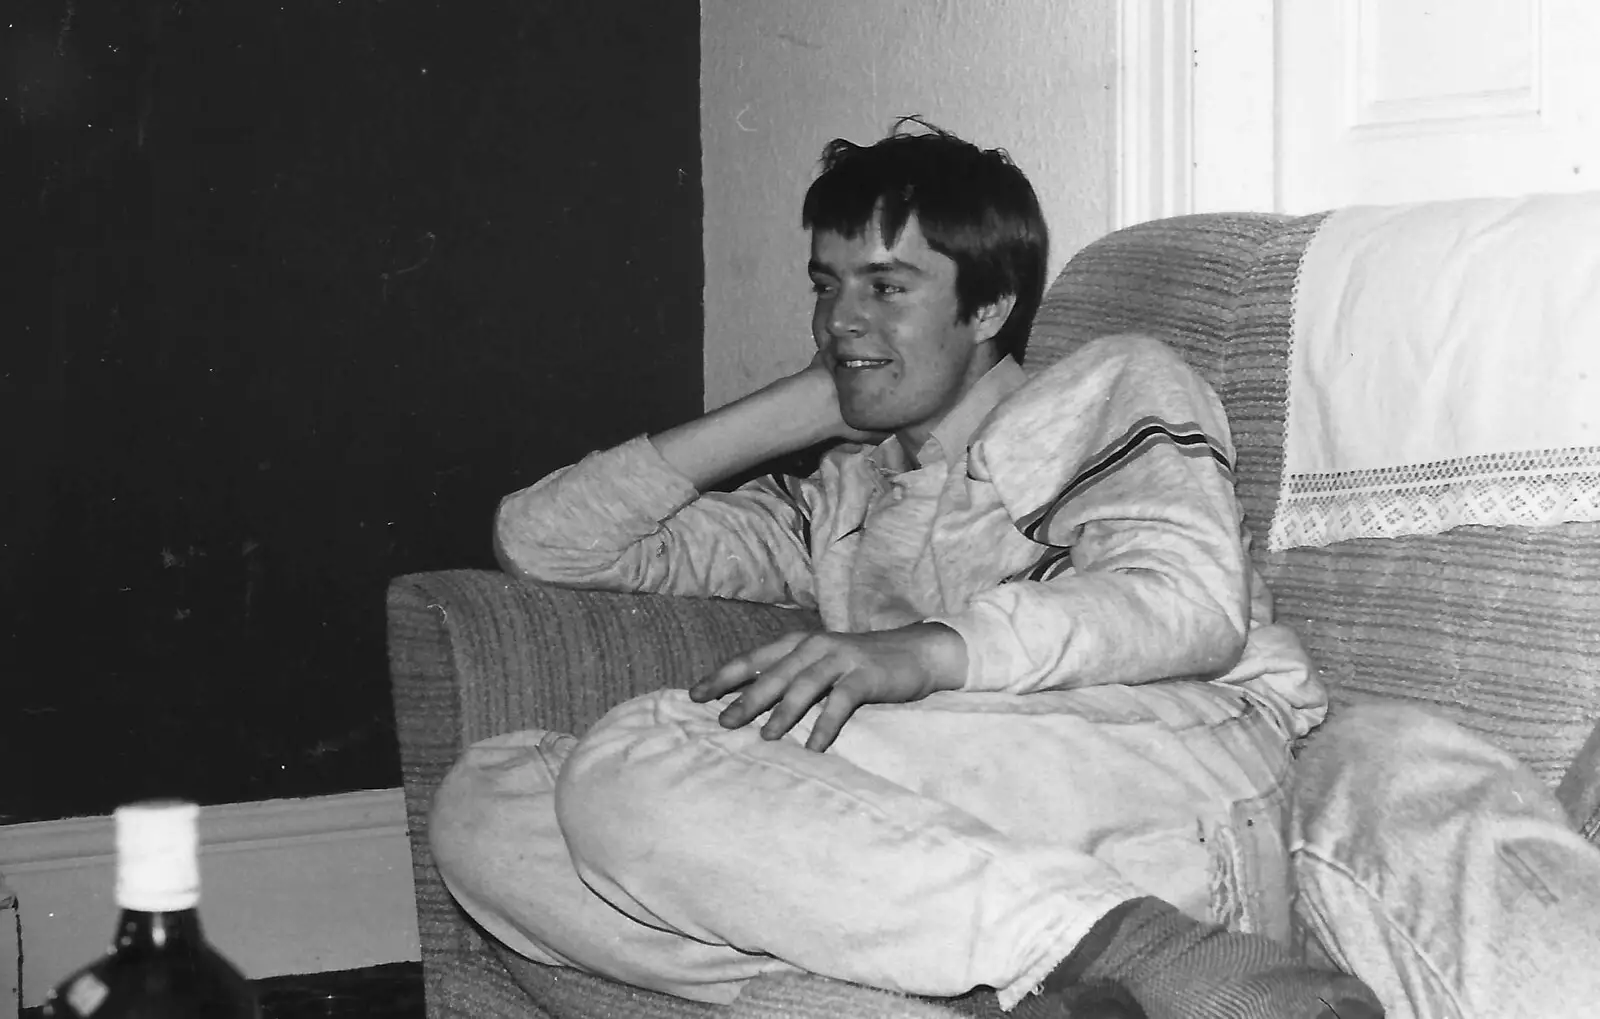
177	930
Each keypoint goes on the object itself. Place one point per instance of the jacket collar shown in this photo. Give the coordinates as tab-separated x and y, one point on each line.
950	437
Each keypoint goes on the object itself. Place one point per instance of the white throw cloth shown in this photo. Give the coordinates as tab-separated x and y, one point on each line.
1444	370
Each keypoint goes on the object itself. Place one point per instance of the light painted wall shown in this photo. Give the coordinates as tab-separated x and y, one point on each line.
780	78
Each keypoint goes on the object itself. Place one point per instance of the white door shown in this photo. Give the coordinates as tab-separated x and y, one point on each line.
1383	101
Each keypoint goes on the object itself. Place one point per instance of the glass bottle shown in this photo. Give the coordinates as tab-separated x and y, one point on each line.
159	965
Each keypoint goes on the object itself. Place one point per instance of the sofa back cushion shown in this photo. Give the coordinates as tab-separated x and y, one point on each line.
1496	628
1176	279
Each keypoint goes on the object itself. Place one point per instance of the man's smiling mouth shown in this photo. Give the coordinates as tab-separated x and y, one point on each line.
862	362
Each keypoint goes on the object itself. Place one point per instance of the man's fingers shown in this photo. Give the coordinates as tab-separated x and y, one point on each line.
842	702
757	697
725	680
767	687
807	686
842	671
736	672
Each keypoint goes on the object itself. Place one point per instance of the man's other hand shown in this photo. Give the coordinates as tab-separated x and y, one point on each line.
841	670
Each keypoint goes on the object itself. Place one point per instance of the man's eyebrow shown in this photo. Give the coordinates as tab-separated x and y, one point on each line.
893	265
896	265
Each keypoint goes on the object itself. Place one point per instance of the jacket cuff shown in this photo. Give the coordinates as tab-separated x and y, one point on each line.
996	663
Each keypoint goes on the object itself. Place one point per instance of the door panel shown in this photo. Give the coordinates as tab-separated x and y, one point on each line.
1385	101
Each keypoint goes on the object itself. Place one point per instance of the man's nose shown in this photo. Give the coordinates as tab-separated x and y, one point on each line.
847	317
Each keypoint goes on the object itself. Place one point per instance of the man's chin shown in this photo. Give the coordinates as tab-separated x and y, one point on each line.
864	415
872	425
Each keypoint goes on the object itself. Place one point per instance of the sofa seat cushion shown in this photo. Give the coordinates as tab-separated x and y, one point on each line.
572	994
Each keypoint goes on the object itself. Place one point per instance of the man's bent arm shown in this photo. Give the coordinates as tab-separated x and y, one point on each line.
1138	456
793	413
1130	613
632	518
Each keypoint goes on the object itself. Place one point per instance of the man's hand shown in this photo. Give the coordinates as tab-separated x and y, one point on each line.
846	670
789	414
822	368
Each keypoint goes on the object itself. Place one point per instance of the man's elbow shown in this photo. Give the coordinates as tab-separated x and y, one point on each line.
1212	631
510	547
503	558
1219	634
1225	641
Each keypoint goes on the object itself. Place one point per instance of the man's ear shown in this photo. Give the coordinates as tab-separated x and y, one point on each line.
991	317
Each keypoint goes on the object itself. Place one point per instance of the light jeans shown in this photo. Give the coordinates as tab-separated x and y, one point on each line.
965	840
1443	873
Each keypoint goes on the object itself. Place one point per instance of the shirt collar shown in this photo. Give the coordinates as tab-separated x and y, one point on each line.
949	437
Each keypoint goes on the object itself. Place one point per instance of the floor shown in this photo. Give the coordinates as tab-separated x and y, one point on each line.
380	992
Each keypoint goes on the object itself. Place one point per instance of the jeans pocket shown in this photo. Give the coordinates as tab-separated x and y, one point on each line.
1250	882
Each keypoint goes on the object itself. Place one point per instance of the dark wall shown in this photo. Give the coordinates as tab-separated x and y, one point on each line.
297	291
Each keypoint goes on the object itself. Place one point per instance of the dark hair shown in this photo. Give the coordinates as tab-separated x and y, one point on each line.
974	207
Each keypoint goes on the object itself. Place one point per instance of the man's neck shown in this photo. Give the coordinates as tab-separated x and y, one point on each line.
949	434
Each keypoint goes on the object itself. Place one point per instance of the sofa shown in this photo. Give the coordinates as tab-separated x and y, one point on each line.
1497	628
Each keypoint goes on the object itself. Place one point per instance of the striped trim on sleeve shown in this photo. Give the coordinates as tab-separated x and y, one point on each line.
1054	562
1145	434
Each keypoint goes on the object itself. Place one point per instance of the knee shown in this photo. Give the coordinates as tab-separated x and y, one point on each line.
1345	776
1378	721
1376	763
594	798
494	798
628	778
1373	725
458	822
1367	739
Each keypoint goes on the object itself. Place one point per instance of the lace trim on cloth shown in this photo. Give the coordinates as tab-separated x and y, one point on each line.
1539	488
1442	371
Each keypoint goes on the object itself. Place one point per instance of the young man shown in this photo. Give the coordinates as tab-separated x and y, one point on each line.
1043	733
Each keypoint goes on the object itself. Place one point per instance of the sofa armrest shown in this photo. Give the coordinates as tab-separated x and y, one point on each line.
519	654
473	654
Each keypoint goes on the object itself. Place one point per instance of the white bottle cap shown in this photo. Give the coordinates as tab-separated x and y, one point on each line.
158	858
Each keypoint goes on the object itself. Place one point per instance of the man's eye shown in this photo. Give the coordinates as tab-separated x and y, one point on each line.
884	288
819	287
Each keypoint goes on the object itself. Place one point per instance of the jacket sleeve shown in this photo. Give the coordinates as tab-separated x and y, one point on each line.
624	520
1120	453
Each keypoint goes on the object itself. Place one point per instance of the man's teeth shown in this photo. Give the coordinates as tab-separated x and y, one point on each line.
862	362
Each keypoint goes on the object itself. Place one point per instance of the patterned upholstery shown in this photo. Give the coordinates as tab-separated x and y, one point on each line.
1496	629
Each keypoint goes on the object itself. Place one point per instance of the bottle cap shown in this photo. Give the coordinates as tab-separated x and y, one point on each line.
158	866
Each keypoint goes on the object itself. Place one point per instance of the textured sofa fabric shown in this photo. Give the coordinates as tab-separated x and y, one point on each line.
1495	628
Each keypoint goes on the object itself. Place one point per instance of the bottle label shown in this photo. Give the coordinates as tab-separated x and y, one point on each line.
87	994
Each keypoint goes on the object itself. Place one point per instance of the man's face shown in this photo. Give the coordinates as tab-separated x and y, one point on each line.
885	322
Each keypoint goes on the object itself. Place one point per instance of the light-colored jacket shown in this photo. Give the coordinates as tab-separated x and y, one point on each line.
1078	527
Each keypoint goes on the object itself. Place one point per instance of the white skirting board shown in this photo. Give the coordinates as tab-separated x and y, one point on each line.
10	955
286	886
